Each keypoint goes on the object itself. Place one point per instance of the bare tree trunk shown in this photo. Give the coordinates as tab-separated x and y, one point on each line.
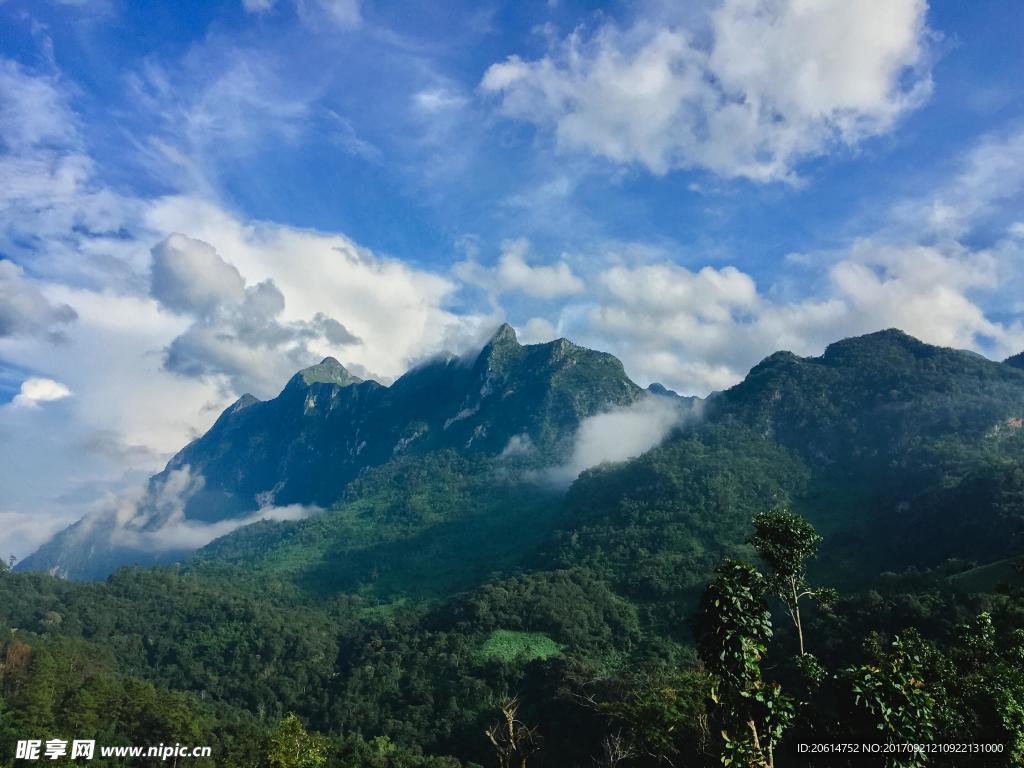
510	738
764	758
796	616
753	730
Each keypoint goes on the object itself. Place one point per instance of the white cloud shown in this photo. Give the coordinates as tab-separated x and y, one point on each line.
237	331
396	310
513	274
620	434
153	520
701	331
218	104
189	277
31	110
438	99
50	209
38	390
343	13
25	310
989	182
258	6
518	445
536	331
304	295
23	532
156	522
780	81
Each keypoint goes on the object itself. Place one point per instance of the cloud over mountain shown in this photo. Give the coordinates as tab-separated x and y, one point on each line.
237	330
619	434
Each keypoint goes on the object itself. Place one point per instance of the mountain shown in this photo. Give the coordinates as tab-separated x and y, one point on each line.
902	453
1017	361
451	568
327	427
873	433
875	400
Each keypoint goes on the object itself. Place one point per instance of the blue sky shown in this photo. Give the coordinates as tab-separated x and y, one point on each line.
199	198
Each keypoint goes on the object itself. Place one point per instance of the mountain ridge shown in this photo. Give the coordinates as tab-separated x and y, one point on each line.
867	401
327	426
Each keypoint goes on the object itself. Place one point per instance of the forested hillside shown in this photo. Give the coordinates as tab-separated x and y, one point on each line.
831	552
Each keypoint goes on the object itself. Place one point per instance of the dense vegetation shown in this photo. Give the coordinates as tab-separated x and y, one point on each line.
450	610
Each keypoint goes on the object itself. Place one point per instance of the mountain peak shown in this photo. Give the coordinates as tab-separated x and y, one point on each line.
1017	361
873	343
657	388
243	402
500	348
327	371
505	335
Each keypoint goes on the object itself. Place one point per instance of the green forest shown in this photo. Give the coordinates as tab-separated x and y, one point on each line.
829	554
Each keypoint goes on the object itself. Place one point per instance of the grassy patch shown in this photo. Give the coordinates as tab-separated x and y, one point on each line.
510	646
988	578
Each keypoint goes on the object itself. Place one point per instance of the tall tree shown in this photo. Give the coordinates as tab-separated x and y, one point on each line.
786	542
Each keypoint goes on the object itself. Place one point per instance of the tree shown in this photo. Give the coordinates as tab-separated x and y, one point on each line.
733	629
660	715
513	742
891	689
614	751
786	542
291	746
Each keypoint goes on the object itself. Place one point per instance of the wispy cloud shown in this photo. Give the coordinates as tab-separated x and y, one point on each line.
621	434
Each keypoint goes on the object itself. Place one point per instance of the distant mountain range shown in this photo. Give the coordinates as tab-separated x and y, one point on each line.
341	484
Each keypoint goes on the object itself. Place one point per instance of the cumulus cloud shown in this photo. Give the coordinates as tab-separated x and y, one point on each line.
189	277
395	310
537	330
779	81
51	465
90	253
513	274
620	434
701	331
25	310
237	330
36	390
